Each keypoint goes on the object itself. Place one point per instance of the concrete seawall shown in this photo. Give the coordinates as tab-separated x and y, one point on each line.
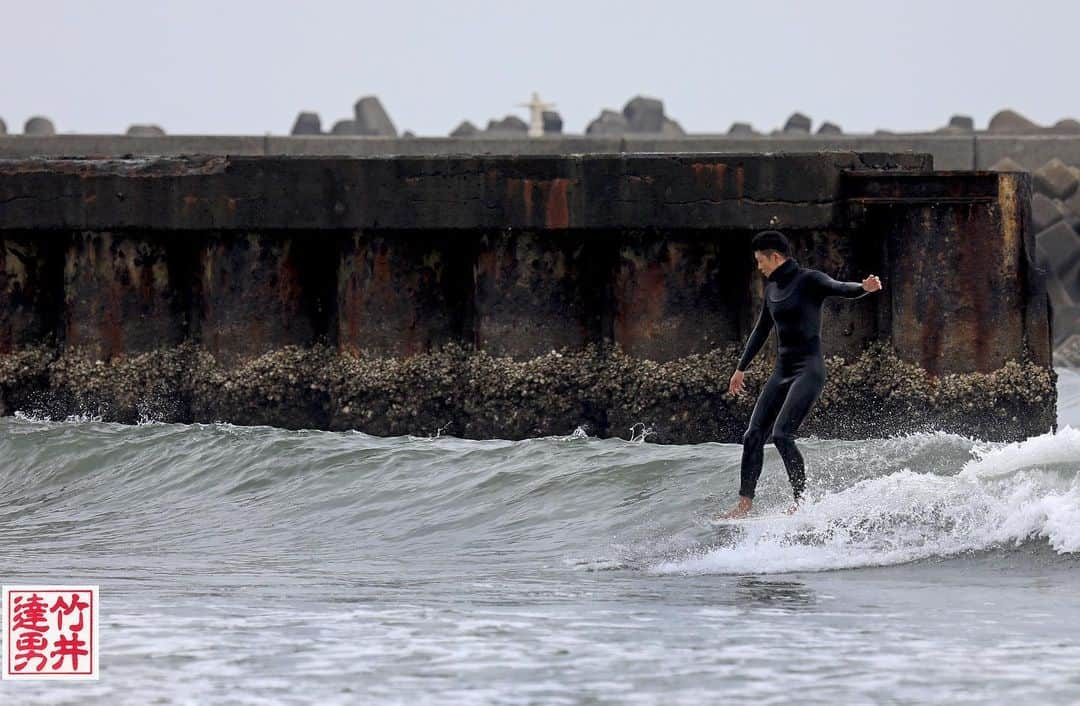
953	152
510	296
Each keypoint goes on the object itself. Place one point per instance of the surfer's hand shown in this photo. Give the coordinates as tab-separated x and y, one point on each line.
871	283
735	387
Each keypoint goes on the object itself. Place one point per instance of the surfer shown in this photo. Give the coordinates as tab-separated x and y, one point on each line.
793	298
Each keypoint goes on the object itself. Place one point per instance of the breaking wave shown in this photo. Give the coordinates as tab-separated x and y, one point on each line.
350	499
1004	496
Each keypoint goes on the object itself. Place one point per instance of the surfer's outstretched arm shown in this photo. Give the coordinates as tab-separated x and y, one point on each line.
757	338
829	287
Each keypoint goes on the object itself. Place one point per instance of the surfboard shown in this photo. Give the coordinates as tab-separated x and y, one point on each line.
777	518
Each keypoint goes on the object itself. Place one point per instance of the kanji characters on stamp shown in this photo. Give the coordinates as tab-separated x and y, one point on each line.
49	632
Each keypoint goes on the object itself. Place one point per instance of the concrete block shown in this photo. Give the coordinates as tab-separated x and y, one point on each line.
1071	205
307	124
797	123
1030	151
644	114
510	125
1066	126
1059	248
1066	323
1070	282
610	122
1045	212
553	123
1007	164
344	127
372	119
1011	121
39	126
1067	353
672	128
962	122
145	131
464	129
1055	179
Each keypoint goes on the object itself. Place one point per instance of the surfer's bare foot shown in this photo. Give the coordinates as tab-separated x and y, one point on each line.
791	510
739	510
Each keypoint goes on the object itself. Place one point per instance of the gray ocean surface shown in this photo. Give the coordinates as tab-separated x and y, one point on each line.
252	565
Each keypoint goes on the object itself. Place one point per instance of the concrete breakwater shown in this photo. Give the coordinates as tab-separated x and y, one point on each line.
512	296
1011	143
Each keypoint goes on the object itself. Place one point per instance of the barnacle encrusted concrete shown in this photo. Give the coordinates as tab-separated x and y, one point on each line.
472	394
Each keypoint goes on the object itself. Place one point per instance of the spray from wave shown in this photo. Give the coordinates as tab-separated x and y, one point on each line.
1004	496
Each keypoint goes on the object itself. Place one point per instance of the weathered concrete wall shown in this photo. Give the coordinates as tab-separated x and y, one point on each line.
511	295
948	151
1011	143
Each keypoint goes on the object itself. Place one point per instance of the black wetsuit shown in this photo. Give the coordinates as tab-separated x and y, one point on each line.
793	298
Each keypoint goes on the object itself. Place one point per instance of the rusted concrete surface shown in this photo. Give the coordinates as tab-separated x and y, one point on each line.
119	294
680	294
206	287
30	290
259	291
402	293
966	294
729	192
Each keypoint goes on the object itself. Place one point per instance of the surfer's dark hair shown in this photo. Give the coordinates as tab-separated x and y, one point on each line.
773	240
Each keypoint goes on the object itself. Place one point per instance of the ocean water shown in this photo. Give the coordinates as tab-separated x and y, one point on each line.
252	565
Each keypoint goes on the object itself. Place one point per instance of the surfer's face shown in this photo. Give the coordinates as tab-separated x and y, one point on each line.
767	262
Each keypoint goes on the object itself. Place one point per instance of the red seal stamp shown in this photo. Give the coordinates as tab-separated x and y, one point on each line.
49	632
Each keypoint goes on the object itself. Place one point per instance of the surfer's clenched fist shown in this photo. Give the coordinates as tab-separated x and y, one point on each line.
872	284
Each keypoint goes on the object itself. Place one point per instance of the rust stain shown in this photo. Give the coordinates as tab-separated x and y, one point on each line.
289	291
976	271
381	272
525	187
487	265
1010	225
710	177
740	181
230	204
641	295
527	197
352	303
142	268
89	199
557	212
112	335
110	325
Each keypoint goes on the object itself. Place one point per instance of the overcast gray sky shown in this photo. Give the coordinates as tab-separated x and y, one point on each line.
227	66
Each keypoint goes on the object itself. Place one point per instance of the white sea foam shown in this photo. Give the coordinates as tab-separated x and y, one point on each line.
1006	495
